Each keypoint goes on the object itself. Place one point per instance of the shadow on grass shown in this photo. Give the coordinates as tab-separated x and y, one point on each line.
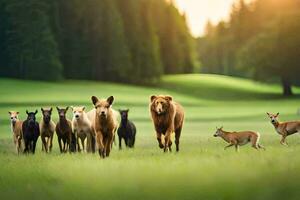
222	93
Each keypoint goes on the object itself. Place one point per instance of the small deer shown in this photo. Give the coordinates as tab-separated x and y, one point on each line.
239	138
126	130
16	127
47	128
82	128
284	128
63	130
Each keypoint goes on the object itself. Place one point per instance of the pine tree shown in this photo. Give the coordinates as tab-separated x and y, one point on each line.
31	46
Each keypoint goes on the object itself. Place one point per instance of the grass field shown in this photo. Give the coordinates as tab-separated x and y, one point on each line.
201	170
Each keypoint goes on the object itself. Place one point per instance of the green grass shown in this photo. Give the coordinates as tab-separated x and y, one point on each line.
202	170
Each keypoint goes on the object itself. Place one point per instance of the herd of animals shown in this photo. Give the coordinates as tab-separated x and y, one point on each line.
95	130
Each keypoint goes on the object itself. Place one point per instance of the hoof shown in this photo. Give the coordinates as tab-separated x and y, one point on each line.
161	146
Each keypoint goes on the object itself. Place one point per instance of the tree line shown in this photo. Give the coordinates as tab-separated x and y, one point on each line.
261	40
130	41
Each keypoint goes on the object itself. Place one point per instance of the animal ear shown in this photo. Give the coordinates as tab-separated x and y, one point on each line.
67	108
57	108
94	100
27	112
9	112
36	111
221	128
277	114
168	98
18	113
127	110
268	113
42	109
51	109
153	97
120	111
72	107
110	100
83	108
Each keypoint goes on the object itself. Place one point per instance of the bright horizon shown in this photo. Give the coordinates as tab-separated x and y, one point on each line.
198	12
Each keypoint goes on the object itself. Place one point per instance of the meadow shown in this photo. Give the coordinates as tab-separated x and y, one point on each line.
201	170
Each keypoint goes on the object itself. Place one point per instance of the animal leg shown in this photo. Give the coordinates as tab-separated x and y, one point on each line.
254	142
126	141
69	143
16	144
261	147
282	141
100	145
50	140
105	144
82	143
30	147
77	141
120	142
237	148
33	146
167	141
93	143
230	145
177	137
64	147
133	141
44	144
89	142
26	149
109	142
19	146
60	145
160	144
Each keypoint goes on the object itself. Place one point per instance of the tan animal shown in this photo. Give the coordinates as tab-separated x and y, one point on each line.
47	128
168	117
105	124
16	128
82	128
239	138
284	128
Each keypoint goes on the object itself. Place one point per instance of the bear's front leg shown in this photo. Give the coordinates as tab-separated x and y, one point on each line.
160	144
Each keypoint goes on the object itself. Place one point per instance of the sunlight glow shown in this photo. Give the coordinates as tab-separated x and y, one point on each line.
198	12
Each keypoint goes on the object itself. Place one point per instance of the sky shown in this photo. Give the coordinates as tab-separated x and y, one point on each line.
199	11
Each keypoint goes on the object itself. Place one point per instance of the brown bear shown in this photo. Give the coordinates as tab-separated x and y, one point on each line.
168	117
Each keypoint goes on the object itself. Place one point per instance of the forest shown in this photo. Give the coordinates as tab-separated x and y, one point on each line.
139	41
132	41
261	40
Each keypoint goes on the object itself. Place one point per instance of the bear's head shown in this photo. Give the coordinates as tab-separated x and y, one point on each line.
160	104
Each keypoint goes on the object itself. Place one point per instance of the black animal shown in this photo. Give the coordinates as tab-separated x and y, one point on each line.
126	130
65	136
31	132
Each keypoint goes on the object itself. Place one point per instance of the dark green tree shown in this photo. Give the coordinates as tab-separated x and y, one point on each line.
31	47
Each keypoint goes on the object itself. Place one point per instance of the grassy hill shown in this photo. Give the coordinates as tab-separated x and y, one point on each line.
201	170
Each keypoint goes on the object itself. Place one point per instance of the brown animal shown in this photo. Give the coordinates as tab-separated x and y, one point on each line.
82	128
105	124
63	130
168	117
239	138
16	128
47	128
284	128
